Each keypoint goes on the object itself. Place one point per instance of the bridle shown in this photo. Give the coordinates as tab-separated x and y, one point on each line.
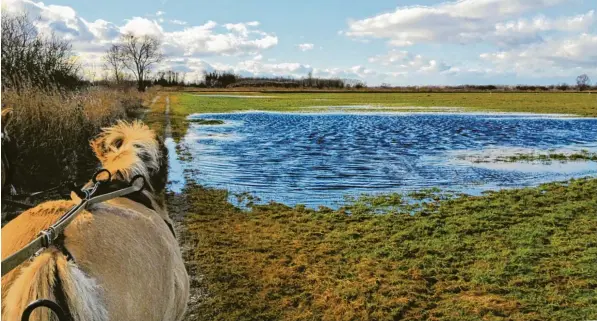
48	237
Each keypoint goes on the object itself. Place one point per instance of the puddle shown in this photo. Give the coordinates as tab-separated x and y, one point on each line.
317	159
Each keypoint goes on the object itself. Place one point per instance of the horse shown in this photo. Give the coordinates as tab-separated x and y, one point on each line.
117	260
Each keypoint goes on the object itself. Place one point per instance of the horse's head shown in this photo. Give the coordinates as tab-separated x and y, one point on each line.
130	149
7	146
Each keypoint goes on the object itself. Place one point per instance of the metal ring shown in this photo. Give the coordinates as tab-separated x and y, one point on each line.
95	180
53	306
135	178
49	235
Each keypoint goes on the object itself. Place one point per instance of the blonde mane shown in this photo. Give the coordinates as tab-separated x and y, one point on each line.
128	149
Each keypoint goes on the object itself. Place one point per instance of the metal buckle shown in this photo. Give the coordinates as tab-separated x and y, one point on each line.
49	236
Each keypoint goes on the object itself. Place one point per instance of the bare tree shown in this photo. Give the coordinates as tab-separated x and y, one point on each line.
583	81
113	62
139	54
29	58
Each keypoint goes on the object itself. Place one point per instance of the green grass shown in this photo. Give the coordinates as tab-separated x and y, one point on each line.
525	254
565	103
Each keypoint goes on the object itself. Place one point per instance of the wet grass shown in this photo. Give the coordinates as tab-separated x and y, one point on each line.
525	254
563	103
545	157
561	157
202	121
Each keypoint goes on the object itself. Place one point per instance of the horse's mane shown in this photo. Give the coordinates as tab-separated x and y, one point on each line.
128	149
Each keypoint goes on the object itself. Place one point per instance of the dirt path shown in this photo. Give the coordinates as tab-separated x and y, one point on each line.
178	206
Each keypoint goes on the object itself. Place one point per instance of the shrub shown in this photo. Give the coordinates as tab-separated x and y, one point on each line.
32	60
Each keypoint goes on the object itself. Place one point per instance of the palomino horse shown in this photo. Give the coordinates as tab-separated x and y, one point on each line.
118	260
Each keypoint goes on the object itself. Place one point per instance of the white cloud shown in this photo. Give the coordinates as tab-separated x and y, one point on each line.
207	39
402	61
143	27
526	31
305	46
178	22
464	21
554	57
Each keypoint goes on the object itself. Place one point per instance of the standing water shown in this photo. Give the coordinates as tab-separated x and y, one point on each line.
317	159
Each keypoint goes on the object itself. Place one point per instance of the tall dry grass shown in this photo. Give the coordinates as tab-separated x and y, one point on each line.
52	130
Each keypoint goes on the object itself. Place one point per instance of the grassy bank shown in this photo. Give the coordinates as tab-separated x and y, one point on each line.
564	103
525	254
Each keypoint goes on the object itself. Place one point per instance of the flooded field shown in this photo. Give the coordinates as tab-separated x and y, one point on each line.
318	159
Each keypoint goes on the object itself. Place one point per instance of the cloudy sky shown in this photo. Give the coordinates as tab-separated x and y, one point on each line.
409	42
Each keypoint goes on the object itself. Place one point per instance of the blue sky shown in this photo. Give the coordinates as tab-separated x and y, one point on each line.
398	42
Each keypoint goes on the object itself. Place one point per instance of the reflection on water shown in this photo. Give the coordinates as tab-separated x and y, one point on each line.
316	159
176	180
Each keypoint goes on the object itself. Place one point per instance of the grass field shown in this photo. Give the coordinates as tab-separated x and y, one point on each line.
525	254
522	254
583	104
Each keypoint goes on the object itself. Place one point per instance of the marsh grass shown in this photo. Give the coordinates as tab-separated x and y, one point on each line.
560	157
543	157
202	121
524	254
52	130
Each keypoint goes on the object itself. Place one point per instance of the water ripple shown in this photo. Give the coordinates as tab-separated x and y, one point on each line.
316	159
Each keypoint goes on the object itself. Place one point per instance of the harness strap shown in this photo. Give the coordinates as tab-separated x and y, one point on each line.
49	235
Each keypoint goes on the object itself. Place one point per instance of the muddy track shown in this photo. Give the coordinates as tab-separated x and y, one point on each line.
178	206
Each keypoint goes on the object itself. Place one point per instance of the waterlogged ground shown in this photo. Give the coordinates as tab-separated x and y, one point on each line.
318	159
516	254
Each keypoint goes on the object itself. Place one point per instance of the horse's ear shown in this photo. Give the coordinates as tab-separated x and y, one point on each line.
97	145
6	116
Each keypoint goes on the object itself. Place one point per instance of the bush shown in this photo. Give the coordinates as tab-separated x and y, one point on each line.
32	60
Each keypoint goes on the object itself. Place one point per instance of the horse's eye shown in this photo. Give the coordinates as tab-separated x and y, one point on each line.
117	143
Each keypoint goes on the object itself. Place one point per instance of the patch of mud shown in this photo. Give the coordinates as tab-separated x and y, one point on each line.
178	206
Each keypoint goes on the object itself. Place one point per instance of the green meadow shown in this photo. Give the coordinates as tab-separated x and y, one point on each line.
583	104
519	254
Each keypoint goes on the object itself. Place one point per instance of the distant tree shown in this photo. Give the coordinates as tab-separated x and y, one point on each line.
139	54
583	82
114	62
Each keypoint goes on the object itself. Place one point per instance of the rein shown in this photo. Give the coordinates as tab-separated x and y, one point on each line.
48	236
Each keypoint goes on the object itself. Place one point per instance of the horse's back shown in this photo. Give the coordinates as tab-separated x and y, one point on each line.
130	250
121	246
